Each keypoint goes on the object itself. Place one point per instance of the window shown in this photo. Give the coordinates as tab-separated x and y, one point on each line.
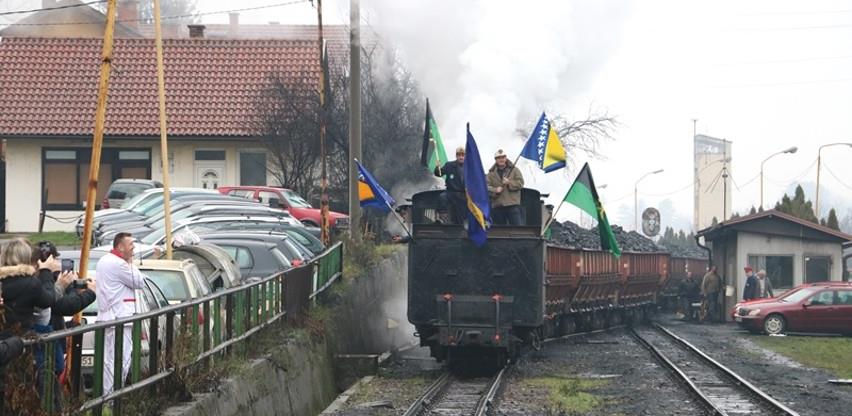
823	298
844	297
241	255
171	282
252	168
242	193
817	268
779	269
296	200
265	196
209	155
65	173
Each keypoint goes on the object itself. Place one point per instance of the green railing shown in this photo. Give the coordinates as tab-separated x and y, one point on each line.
328	269
197	330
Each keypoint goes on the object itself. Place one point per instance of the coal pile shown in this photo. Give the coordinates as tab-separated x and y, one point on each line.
694	252
572	235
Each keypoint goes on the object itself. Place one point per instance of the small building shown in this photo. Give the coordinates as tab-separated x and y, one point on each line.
791	250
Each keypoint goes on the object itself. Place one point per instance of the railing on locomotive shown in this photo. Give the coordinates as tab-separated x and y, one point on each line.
248	309
426	206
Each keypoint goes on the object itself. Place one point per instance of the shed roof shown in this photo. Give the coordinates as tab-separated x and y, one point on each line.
774	222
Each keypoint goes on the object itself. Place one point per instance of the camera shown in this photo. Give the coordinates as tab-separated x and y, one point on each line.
79	284
46	249
67	265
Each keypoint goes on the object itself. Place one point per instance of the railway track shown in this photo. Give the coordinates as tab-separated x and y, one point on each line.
719	388
458	396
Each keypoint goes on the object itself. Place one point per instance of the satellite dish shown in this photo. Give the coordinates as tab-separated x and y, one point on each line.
650	222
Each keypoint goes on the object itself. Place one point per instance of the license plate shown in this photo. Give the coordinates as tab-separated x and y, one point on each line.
87	361
342	222
738	319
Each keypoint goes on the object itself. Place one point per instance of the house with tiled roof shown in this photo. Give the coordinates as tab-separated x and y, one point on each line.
791	250
49	88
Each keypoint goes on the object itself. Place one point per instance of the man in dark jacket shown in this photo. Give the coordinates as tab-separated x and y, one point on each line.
690	292
751	285
454	195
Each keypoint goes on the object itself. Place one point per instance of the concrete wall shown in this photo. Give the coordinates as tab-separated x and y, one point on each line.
297	379
24	174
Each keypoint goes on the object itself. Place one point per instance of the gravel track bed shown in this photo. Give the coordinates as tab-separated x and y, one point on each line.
803	389
625	378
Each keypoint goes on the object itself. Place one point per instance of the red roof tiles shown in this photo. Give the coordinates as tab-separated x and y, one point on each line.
49	86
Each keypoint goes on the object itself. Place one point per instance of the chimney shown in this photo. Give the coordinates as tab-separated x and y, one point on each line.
234	25
196	31
128	13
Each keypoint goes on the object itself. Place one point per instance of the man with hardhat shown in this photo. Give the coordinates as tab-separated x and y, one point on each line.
504	185
454	195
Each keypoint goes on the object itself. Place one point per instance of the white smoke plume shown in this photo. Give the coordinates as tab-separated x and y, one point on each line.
498	64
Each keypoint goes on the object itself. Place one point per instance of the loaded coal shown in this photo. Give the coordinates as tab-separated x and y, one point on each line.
568	234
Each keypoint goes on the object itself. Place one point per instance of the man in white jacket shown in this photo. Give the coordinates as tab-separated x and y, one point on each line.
118	279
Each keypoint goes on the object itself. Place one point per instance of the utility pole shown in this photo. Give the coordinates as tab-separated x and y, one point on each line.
164	144
324	237
354	116
697	187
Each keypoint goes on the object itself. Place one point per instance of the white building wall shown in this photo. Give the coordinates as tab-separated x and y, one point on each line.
763	245
24	175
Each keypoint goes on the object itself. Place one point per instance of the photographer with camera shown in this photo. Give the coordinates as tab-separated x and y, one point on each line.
72	296
23	292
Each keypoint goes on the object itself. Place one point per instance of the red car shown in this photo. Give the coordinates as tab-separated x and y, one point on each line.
817	307
287	199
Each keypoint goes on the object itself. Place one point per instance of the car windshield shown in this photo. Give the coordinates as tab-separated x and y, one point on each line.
126	190
171	282
296	200
148	205
280	258
799	295
142	197
157	236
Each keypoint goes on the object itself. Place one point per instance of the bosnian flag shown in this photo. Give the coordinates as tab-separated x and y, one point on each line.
544	146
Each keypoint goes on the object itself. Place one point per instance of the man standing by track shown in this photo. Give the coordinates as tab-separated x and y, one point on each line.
118	279
711	284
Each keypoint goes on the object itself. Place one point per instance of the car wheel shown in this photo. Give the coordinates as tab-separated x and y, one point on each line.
774	324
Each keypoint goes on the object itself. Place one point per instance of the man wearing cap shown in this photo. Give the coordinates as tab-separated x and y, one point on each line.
454	197
751	285
504	185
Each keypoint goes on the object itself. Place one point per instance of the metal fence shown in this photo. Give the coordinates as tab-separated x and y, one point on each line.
214	325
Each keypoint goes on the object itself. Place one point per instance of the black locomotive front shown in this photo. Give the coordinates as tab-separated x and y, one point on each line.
463	298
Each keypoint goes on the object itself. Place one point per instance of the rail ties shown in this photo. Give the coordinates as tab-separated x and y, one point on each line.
457	396
718	387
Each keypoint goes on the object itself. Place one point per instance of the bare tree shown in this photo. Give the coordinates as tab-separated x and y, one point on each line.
585	135
288	125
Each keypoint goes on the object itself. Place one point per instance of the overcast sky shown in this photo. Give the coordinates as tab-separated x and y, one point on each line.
764	74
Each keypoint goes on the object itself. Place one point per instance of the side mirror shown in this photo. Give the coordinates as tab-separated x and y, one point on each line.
807	303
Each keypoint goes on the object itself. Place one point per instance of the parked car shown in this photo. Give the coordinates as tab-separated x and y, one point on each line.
156	207
288	200
180	280
137	206
186	209
256	259
218	267
292	250
195	225
824	307
124	189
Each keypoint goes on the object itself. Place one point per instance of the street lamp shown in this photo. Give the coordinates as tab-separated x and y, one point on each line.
790	150
819	157
636	198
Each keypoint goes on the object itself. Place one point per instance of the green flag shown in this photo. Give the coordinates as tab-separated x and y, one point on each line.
433	153
584	195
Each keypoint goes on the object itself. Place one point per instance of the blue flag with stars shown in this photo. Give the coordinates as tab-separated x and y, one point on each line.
544	146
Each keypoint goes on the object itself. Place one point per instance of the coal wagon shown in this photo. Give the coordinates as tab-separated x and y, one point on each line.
517	289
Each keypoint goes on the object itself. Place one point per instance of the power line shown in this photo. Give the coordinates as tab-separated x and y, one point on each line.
68	6
182	16
835	176
783	61
782	84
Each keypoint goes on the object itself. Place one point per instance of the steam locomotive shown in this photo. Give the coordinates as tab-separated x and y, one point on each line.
519	288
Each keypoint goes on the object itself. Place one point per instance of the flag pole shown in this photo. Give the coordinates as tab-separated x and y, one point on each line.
438	163
401	222
164	143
